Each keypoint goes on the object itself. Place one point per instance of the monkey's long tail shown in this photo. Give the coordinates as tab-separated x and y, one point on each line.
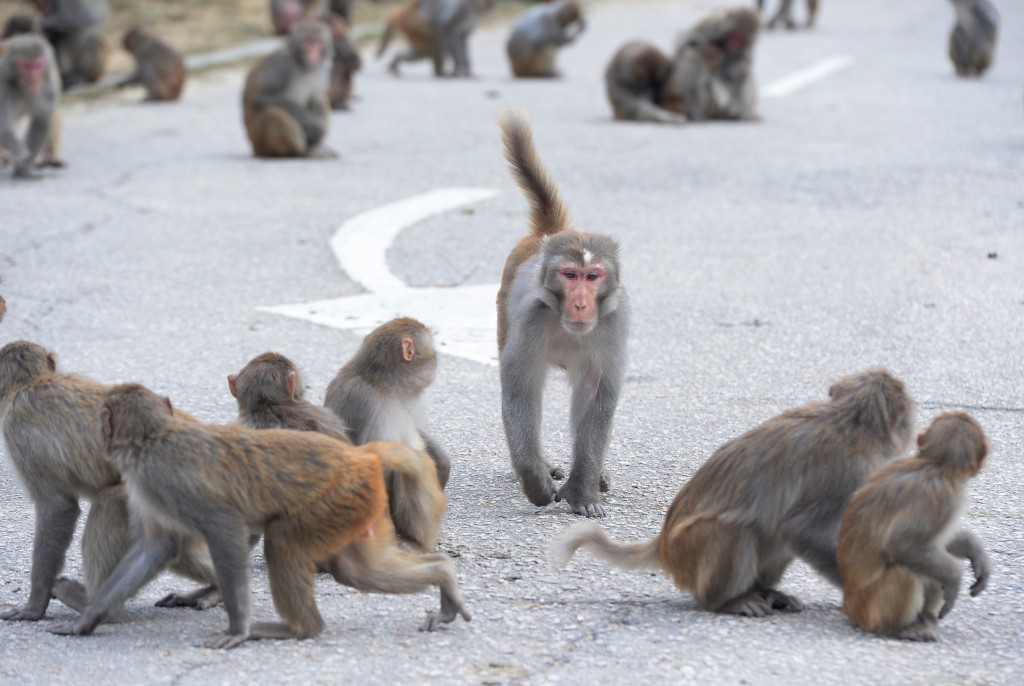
416	499
547	213
590	536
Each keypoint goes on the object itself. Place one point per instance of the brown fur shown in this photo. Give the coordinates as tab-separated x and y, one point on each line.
634	83
159	68
539	33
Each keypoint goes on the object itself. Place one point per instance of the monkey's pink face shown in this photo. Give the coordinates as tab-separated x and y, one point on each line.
581	285
32	70
312	52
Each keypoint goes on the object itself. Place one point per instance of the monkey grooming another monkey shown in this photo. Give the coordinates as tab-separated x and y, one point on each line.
54	439
900	539
972	42
539	33
777	491
712	73
634	80
75	29
378	394
784	15
560	304
29	89
269	396
306	493
159	68
285	103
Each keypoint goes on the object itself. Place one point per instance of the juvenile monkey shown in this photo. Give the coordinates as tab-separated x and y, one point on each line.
345	64
268	396
159	68
539	33
437	29
784	15
29	89
53	437
712	74
777	491
900	539
285	103
634	80
307	494
378	394
285	14
560	304
75	28
972	42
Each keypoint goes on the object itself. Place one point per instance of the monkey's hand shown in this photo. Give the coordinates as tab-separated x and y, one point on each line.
982	570
22	614
203	599
77	628
226	641
949	594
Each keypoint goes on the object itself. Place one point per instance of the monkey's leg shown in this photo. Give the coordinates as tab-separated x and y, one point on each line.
926	626
274	133
592	417
413	54
456	44
292	577
228	542
314	127
774	558
442	462
55	525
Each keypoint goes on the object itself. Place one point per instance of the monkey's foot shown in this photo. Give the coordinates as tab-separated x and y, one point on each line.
445	615
70	592
203	599
22	614
557	473
226	641
78	628
322	152
926	632
782	601
538	486
586	505
751	604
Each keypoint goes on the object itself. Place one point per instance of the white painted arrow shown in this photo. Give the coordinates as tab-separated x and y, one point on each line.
462	318
805	76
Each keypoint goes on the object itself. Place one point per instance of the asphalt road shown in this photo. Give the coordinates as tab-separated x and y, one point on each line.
875	217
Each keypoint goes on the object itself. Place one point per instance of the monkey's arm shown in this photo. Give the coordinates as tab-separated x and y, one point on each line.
442	461
967	546
932	562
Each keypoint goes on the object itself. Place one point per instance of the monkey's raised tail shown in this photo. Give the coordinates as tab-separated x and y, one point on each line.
590	536
547	213
417	501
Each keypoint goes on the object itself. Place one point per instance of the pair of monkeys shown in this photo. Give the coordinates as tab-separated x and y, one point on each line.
198	493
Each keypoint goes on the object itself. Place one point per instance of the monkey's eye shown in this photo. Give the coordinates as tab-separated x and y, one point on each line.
594	276
569	274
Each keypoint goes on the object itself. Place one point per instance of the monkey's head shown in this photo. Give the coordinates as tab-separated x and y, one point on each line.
31	57
134	38
23	361
310	44
580	274
877	401
955	441
569	13
743	25
398	355
270	378
132	413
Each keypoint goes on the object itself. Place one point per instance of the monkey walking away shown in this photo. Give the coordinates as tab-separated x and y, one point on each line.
539	33
285	102
269	395
307	494
561	304
379	396
900	543
776	492
51	429
435	29
159	68
75	29
29	90
784	15
972	42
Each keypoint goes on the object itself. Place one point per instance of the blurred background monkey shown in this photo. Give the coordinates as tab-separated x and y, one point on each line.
900	543
75	29
539	33
784	15
972	42
345	64
29	89
435	29
634	81
777	491
159	68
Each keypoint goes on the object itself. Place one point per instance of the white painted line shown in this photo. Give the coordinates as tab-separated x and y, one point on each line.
463	318
806	76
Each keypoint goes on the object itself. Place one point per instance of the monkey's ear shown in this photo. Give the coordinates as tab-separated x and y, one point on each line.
921	436
108	424
167	402
51	361
408	349
231	385
290	383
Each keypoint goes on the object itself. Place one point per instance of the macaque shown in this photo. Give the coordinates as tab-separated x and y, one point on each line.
784	15
29	89
634	80
900	541
52	431
437	29
307	494
159	68
539	33
341	8
712	71
561	304
285	14
269	395
777	491
75	28
378	394
972	42
346	63
285	103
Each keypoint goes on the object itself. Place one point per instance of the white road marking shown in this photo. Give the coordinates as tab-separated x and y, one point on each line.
462	318
801	78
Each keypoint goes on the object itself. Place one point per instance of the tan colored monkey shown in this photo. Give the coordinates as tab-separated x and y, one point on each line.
159	68
435	29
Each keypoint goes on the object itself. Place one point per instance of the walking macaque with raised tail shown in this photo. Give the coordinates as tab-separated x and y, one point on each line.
285	103
712	73
269	396
538	35
784	15
29	90
51	427
901	541
561	304
379	396
75	29
776	492
159	68
634	80
307	494
972	42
